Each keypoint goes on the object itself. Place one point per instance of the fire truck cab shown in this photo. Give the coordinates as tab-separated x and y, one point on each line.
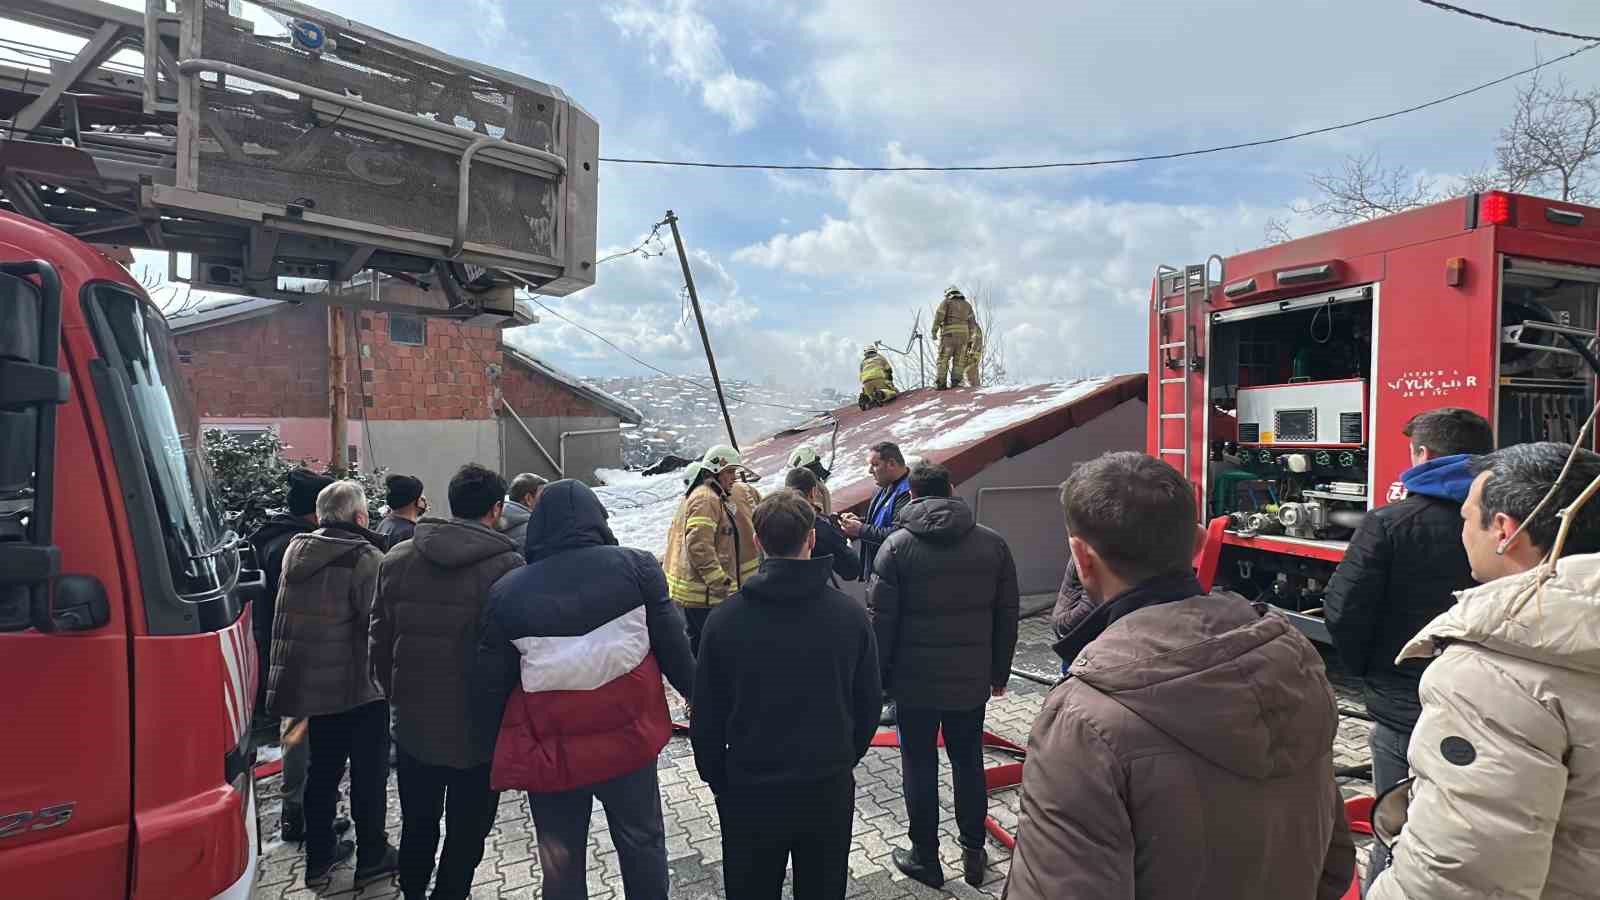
1281	378
124	615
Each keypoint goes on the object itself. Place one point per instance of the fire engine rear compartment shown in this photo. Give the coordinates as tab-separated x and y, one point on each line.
1291	396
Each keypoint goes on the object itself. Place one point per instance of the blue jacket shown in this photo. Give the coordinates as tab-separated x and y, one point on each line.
881	515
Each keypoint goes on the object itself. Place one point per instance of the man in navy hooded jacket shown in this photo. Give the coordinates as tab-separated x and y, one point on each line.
1401	570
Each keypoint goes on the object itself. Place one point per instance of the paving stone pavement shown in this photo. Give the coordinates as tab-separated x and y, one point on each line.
510	868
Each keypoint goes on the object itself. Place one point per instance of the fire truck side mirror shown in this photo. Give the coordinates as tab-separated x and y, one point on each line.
79	604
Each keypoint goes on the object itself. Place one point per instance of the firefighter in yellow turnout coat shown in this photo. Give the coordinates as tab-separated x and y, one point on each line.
974	355
711	546
877	379
952	326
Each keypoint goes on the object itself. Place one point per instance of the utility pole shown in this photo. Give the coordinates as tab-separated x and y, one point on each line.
338	393
694	300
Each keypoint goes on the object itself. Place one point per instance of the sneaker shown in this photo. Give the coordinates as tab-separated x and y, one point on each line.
320	871
920	867
388	864
973	863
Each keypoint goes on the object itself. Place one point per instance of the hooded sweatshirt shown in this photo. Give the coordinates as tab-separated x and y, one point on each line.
786	685
1402	567
319	635
944	605
431	593
1507	753
571	653
1188	754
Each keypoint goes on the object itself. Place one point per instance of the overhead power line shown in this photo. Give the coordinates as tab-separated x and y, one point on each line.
1088	163
1508	23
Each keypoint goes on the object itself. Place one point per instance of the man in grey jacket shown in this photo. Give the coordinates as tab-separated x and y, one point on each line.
524	494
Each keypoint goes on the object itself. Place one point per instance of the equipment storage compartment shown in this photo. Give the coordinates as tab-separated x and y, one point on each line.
1289	390
1547	311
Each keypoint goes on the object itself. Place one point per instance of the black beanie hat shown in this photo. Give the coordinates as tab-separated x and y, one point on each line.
304	486
403	490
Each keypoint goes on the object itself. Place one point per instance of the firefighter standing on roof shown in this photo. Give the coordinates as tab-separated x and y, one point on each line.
974	354
952	325
711	546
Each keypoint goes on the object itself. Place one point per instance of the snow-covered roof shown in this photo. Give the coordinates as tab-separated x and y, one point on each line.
221	311
624	410
964	430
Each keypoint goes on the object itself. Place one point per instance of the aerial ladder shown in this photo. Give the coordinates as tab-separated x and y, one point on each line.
297	155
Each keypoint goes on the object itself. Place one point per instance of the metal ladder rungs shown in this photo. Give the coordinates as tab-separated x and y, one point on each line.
1172	415
1173	380
1169	346
1179	452
1168	310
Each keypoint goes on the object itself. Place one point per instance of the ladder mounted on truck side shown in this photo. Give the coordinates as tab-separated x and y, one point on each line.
284	146
1178	303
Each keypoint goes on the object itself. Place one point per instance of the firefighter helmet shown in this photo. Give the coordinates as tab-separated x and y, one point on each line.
953	291
691	472
718	458
803	455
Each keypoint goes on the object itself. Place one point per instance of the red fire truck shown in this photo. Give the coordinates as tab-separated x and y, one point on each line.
1281	378
286	151
124	622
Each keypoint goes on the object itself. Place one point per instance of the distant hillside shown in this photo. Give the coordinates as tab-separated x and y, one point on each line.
682	419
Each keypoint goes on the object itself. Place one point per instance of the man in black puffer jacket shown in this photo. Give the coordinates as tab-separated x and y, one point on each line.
944	605
1402	569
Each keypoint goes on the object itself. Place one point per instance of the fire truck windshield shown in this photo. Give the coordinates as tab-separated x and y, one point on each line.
200	551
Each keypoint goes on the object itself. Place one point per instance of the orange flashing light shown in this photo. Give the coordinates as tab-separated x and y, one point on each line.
1454	269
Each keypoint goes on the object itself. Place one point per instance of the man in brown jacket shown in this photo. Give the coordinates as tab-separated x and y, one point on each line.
320	671
431	593
1189	751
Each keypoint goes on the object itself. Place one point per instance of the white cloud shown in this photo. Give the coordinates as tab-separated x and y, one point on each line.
693	54
1069	278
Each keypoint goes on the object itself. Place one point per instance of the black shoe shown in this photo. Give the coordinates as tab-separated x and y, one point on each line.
889	716
388	864
973	863
930	873
320	872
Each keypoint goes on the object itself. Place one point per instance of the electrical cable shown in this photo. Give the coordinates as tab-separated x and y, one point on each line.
1151	157
1508	23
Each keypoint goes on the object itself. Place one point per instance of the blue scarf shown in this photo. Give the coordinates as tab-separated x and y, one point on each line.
882	511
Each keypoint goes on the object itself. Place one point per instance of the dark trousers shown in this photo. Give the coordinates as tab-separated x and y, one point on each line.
764	827
696	616
463	797
1389	768
633	811
359	736
919	773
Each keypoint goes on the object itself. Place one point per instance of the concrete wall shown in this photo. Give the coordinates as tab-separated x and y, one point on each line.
433	450
1030	520
584	453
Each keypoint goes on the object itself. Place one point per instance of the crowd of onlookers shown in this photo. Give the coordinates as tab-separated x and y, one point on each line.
1187	752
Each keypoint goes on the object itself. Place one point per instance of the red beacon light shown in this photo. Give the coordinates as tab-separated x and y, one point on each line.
1494	208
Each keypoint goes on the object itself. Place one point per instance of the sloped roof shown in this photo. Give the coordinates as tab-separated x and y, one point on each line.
624	410
964	430
222	311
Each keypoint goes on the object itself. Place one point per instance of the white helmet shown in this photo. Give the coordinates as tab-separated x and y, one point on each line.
953	291
690	473
803	455
718	458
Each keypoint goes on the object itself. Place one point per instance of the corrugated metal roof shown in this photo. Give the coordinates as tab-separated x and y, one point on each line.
964	430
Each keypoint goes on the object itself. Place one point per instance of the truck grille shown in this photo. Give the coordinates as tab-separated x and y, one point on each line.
1350	428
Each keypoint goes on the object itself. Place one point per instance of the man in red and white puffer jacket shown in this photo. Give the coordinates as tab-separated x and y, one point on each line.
567	688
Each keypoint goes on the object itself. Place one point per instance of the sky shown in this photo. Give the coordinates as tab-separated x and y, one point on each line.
798	271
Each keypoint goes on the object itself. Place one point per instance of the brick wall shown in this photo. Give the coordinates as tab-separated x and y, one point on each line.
275	366
536	396
271	366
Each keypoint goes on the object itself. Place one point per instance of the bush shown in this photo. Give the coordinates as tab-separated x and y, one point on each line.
251	478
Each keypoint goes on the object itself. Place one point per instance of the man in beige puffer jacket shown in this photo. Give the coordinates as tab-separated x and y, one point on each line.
1506	755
